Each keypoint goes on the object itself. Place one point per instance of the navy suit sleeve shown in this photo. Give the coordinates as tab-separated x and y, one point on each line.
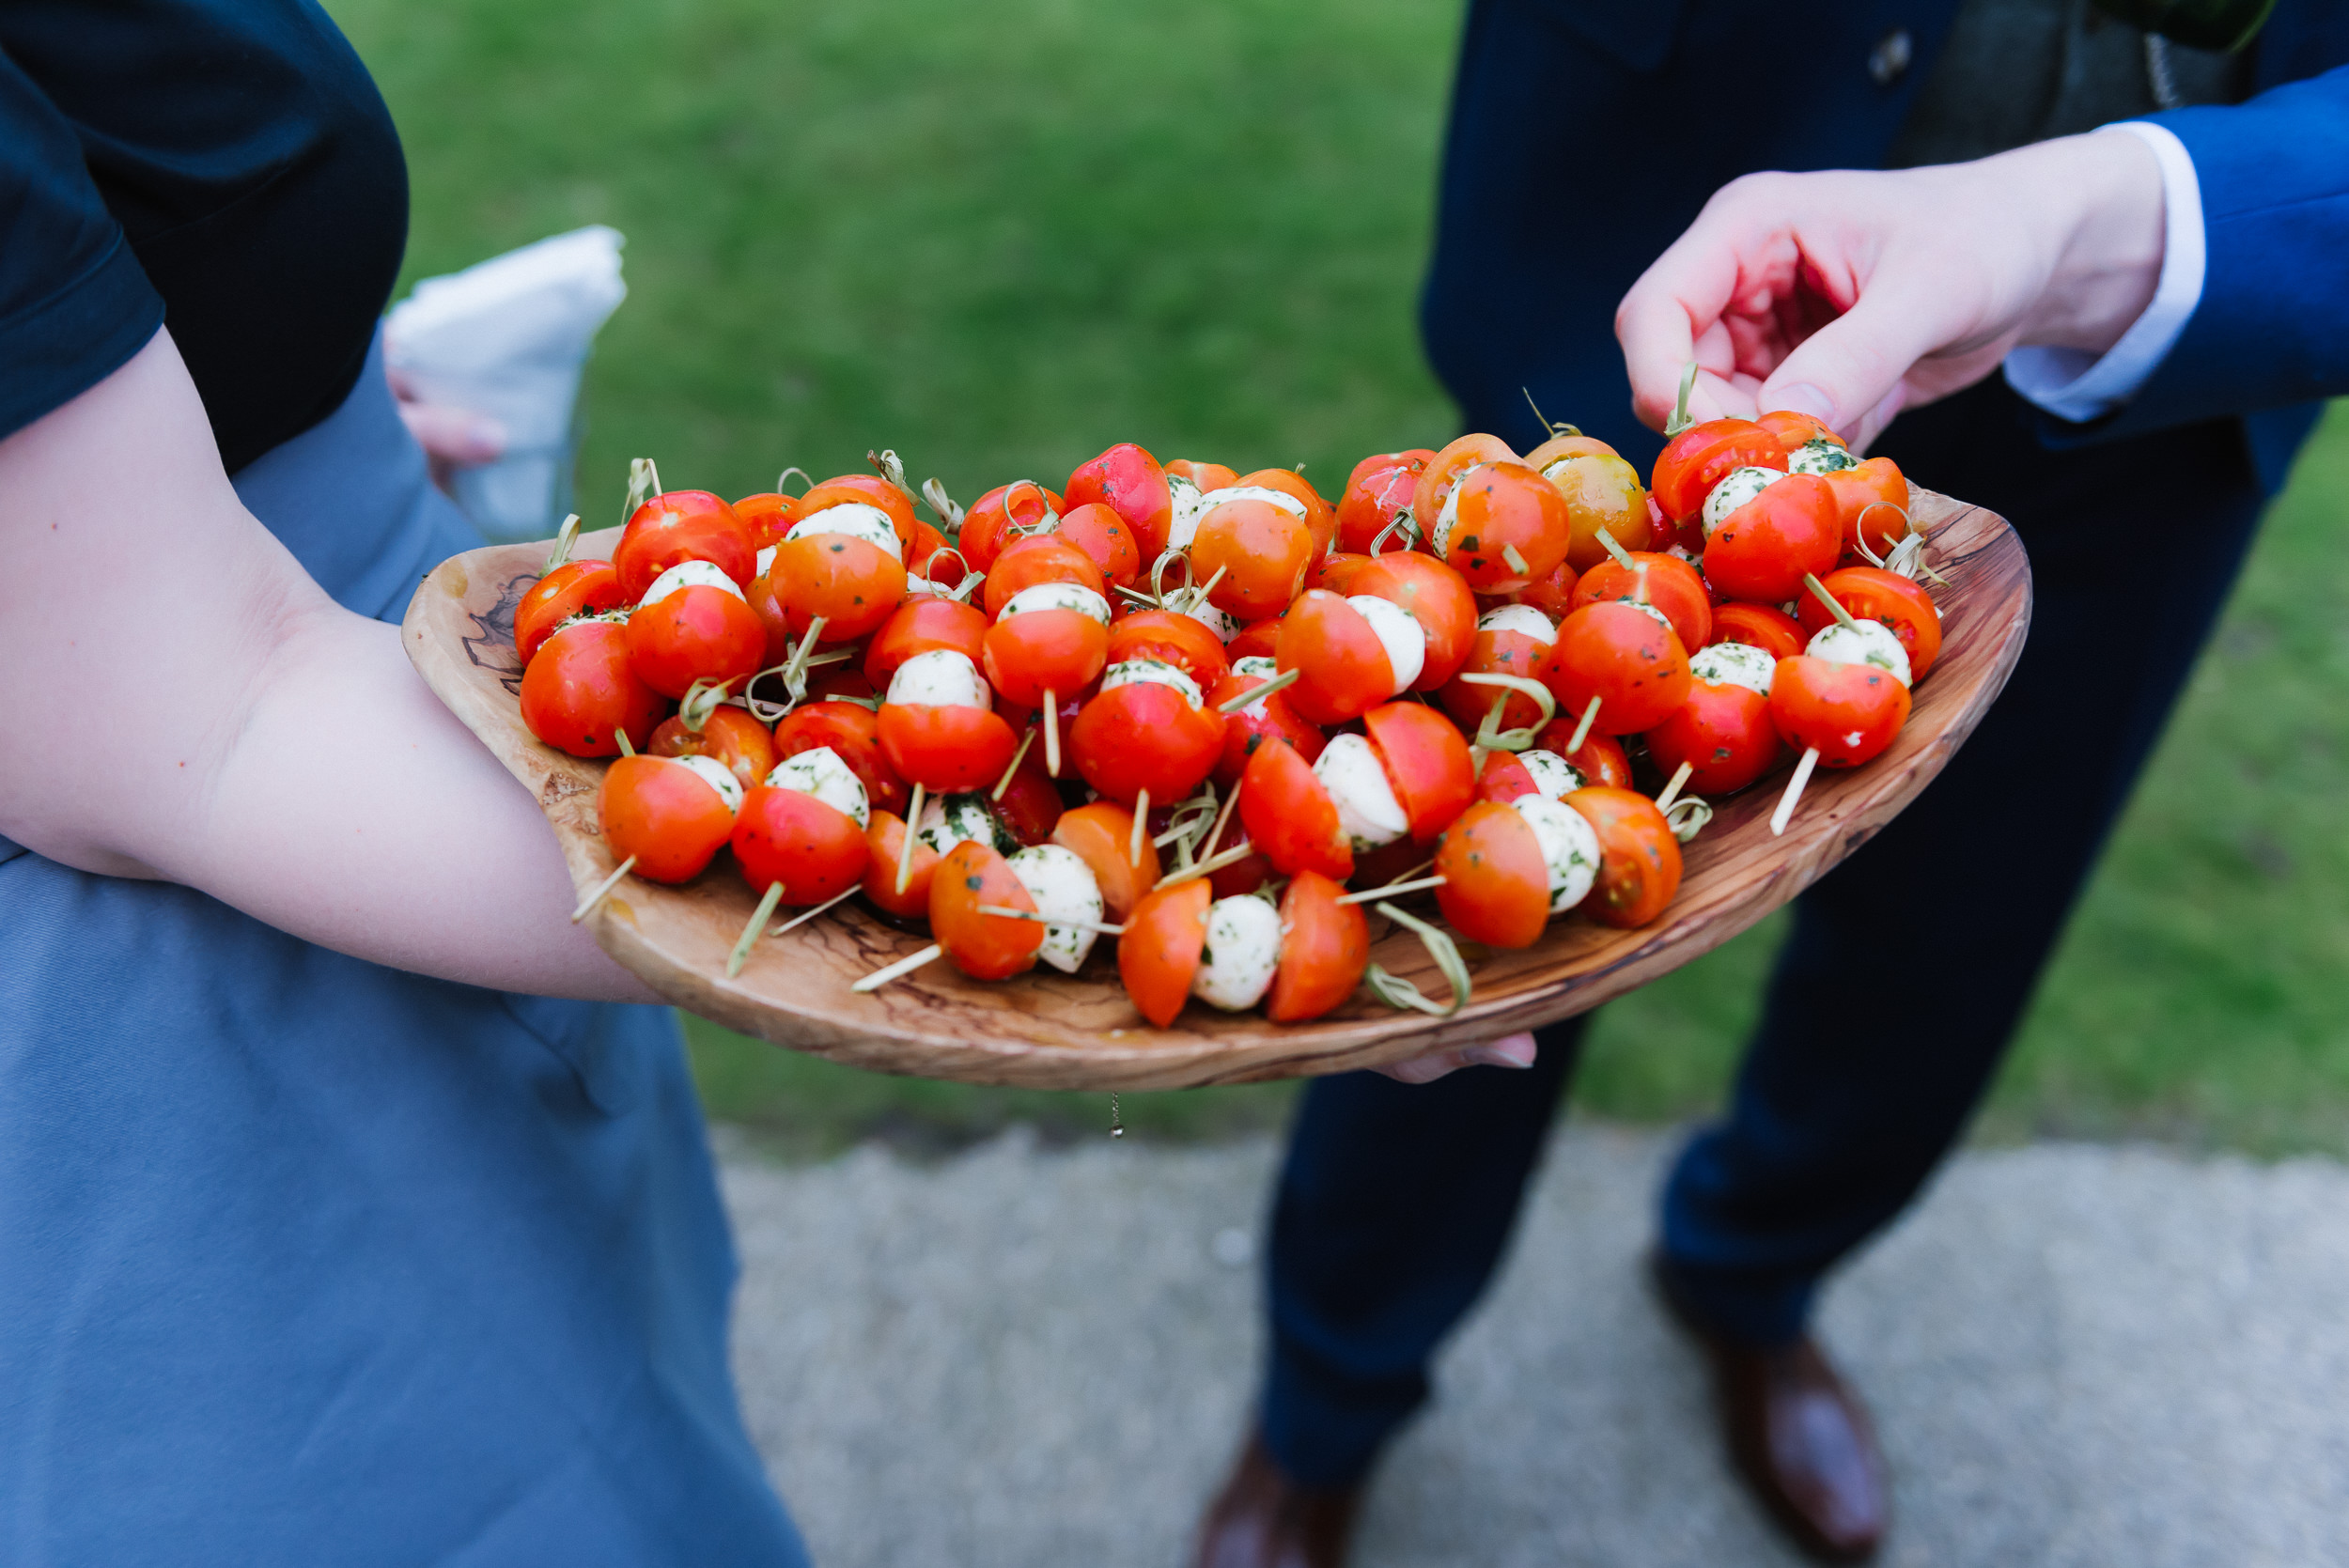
2273	326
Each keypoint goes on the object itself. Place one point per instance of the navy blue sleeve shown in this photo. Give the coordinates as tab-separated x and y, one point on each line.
75	303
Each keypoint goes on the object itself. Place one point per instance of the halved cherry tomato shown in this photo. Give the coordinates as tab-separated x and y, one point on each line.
1497	652
919	624
853	732
1558	448
1158	957
1343	668
1553	596
1145	735
1321	518
842	683
1205	476
1030	805
884	842
852	584
867	489
1289	817
1869	594
1102	834
1335	572
816	850
1427	764
1624	656
1759	626
695	633
985	947
1504	779
1039	558
1443	470
667	815
1128	480
1761	551
1724	733
573	588
1639	858
1603	495
1702	455
1496	884
1256	640
581	688
988	526
1268	720
1600	757
729	734
768	515
1102	534
1172	638
1871	506
1255	553
1674	586
1380	491
1796	429
1503	527
934	560
679	526
1847	713
1245	874
1325	947
1435	596
945	750
760	592
1039	651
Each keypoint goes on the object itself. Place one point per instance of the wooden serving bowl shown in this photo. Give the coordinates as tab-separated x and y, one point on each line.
1045	1030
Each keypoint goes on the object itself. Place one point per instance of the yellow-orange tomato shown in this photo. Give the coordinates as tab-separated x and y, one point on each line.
1444	472
1603	495
1039	558
1503	527
853	584
1871	506
1639	857
1102	834
868	489
1321	518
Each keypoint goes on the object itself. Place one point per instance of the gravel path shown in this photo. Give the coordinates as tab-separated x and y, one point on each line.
1020	1356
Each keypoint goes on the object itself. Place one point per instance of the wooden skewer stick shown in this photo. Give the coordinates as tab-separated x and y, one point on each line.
1671	790
741	954
1232	705
1051	732
1236	853
1614	547
1393	890
1199	595
1098	927
1223	818
1141	826
1785	812
795	673
905	848
904	965
1516	562
805	915
1583	730
596	896
1017	758
1819	589
619	739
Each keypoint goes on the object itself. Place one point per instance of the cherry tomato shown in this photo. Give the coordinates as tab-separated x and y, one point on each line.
1796	429
866	490
1702	455
1498	651
1427	764
1759	626
1290	818
1256	640
921	624
1343	668
1172	638
696	633
1245	874
1030	805
816	850
1761	551
1320	518
945	750
679	526
1204	477
884	842
1639	858
1325	947
1128	480
1102	834
1603	495
1557	450
841	683
1255	553
768	609
1144	735
1870	504
988	526
985	947
670	818
1335	572
1496	884
1436	597
1847	713
1504	779
1443	470
1599	758
934	560
1626	659
1553	596
1869	594
1036	651
1724	733
573	588
767	517
1158	955
729	734
1503	527
1039	558
1266	720
581	688
1674	586
853	732
1378	491
1102	534
852	584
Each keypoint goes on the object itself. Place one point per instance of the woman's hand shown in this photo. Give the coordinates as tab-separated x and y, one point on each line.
1510	1051
1849	296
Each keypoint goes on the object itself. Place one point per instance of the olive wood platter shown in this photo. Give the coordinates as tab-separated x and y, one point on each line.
1046	1030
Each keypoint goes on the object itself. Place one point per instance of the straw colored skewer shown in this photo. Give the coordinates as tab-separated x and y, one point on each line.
1255	693
1785	812
1583	730
1208	866
1141	826
1393	890
904	965
1051	733
1098	927
741	954
805	915
1671	790
1017	758
905	847
597	895
1222	818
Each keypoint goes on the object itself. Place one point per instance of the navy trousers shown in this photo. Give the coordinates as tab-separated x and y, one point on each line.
1891	1004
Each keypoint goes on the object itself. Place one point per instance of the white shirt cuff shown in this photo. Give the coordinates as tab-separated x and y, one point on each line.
2074	385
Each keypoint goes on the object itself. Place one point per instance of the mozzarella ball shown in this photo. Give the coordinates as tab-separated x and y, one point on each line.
1127	672
1553	775
766	559
1281	499
689	574
1188	507
1733	664
820	771
1569	847
1257	665
1058	595
968	819
1520	618
1062	887
1861	642
1447	524
942	677
1398	633
1241	954
858	521
1225	624
1820	456
717	776
1350	770
1741	486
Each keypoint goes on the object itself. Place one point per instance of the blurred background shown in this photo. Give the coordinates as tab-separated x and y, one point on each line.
999	237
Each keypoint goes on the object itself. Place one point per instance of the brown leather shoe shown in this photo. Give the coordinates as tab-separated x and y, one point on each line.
1799	1437
1264	1519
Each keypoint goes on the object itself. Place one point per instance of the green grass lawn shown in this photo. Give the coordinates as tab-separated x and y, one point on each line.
1001	237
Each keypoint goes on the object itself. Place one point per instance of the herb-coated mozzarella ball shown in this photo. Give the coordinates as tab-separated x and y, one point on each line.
1398	633
1256	666
1569	848
766	559
1189	506
1063	888
1733	664
1447	524
969	819
1127	672
941	677
1648	608
1241	954
689	574
856	520
1281	499
820	771
717	776
1521	618
1350	770
1058	595
1225	624
1820	456
1553	775
1861	642
1741	486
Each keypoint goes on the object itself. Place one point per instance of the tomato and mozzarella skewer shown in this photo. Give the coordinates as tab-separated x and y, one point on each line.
938	730
1148	734
1618	667
1409	775
1048	642
1841	699
1723	734
1297	961
800	837
694	623
581	693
